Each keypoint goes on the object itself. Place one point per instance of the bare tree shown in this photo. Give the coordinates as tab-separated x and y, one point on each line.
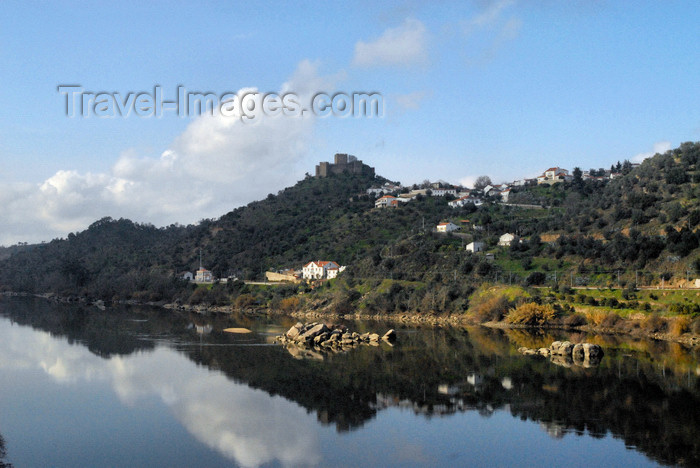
481	182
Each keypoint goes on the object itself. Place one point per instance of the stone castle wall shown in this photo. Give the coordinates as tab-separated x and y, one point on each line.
343	164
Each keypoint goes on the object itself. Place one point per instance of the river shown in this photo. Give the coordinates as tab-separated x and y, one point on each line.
152	387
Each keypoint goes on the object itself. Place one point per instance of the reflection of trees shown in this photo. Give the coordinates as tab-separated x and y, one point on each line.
3	454
645	393
104	333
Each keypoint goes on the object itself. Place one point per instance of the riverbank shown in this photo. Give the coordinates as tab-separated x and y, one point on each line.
635	326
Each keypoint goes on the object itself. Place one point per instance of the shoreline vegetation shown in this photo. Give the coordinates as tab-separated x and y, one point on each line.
496	307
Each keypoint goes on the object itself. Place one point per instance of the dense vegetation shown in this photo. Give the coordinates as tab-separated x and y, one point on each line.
638	229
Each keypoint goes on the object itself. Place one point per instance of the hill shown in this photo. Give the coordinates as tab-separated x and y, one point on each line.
640	228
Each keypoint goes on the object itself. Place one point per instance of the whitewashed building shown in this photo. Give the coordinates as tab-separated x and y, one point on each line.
321	269
441	192
204	276
476	246
447	227
387	201
507	239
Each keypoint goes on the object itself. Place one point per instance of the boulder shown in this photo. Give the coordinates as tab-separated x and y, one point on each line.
294	331
390	335
314	331
577	353
561	348
544	352
592	351
373	338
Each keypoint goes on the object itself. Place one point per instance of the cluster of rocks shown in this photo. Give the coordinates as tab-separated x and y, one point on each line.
319	335
566	354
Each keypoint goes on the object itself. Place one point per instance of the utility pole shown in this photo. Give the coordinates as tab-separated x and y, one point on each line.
636	278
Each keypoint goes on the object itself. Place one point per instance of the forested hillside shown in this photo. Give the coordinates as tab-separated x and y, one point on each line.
639	227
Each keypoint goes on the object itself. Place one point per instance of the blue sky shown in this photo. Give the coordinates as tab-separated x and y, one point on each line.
505	88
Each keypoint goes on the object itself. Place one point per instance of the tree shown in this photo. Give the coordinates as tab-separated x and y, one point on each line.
578	176
481	182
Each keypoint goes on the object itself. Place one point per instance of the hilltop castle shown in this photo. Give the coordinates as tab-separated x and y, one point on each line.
344	163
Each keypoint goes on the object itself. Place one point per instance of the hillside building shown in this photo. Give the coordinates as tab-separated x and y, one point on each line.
321	269
343	164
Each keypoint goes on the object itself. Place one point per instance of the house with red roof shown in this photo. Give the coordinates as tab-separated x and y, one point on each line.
321	269
554	175
447	227
386	201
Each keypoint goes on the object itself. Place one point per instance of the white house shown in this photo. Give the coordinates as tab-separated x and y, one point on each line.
447	227
204	276
506	239
441	192
405	197
460	202
554	175
504	195
476	246
333	272
320	270
386	201
384	189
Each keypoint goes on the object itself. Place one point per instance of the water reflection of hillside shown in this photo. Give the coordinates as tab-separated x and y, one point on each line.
646	393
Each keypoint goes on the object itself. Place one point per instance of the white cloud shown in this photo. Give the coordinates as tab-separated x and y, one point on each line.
468	181
489	16
216	164
245	425
492	28
659	147
411	101
403	45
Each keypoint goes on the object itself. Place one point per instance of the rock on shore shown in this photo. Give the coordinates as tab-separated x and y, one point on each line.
315	337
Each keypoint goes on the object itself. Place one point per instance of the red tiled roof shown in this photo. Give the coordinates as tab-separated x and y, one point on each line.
320	263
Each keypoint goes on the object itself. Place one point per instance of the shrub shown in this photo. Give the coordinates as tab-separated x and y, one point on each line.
245	300
575	320
610	320
684	309
535	278
532	314
695	326
289	304
590	300
198	296
654	324
680	325
493	308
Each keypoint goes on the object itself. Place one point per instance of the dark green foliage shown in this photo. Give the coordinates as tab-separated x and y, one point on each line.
535	278
639	220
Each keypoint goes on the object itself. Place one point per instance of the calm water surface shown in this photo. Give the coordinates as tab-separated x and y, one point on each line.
142	387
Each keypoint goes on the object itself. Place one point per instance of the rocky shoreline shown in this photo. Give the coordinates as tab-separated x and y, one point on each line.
687	339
